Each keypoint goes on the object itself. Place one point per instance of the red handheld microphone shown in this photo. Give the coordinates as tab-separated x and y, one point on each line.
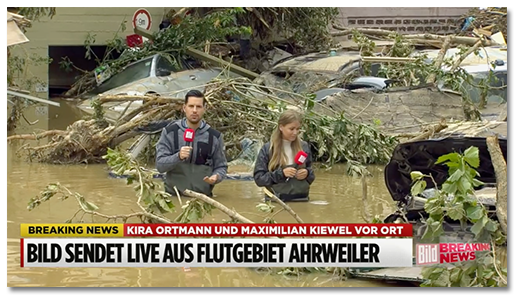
189	135
300	159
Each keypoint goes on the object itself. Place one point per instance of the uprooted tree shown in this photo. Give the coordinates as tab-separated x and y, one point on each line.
235	107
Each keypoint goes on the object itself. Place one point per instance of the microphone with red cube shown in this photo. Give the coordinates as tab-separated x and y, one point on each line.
189	135
300	159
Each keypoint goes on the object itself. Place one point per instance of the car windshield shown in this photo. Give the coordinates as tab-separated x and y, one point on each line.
496	81
131	73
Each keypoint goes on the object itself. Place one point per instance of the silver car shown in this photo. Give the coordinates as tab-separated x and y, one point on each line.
158	74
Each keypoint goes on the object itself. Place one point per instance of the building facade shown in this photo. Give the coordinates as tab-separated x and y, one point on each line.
405	20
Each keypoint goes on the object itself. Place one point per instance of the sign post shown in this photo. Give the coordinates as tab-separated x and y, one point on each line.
142	19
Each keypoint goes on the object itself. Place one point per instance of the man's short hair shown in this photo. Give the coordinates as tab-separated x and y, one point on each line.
194	93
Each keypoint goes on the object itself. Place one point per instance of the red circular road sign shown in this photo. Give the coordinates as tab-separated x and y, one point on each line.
142	19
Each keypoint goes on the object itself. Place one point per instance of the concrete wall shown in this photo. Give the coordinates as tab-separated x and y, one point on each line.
71	26
403	19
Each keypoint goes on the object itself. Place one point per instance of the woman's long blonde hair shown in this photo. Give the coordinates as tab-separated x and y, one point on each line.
278	157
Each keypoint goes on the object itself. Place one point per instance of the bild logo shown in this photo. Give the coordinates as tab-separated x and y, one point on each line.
427	254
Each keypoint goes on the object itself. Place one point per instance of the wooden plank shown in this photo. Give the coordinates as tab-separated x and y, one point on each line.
220	62
411	274
387	59
207	57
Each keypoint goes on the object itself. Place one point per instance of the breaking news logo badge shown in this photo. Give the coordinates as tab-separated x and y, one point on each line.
427	254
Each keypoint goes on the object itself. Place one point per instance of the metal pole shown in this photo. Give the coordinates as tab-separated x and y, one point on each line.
34	98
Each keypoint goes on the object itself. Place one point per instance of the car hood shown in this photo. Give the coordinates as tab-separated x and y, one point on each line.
175	83
422	155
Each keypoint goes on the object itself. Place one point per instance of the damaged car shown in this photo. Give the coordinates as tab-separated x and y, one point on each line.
422	156
326	69
159	74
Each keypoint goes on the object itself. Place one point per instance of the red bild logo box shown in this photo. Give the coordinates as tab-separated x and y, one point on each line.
427	254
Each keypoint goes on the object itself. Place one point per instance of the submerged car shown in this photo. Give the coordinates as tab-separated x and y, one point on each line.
298	73
422	156
159	74
490	64
367	83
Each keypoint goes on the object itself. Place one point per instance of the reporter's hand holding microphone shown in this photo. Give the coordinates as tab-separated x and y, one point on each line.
300	174
185	152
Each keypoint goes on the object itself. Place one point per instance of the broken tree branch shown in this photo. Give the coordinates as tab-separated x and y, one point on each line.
439	59
364	198
430	131
286	207
463	56
123	98
385	33
501	175
37	136
219	206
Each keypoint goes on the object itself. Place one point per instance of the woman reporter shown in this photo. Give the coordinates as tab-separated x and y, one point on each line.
276	169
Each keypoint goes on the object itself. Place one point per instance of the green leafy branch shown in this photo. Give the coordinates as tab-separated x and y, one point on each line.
457	201
147	190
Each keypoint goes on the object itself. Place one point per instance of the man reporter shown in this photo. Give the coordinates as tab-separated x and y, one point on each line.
198	167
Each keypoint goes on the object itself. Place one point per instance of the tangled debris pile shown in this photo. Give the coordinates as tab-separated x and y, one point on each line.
221	32
485	22
237	108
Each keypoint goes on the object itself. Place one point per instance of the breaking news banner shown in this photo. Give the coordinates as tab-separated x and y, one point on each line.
238	252
215	230
445	253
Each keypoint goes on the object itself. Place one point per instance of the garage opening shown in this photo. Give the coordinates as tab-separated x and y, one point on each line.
69	63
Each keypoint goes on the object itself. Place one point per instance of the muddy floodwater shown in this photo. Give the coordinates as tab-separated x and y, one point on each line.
335	198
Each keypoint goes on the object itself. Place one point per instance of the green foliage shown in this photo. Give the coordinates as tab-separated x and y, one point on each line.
194	211
56	189
482	272
19	62
307	27
36	13
18	68
147	190
192	31
338	139
456	200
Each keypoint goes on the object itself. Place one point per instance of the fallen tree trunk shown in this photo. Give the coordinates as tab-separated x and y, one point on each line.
439	59
256	111
385	33
429	132
501	175
231	213
87	141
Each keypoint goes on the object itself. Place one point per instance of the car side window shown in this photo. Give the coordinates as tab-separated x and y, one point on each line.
165	66
131	73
